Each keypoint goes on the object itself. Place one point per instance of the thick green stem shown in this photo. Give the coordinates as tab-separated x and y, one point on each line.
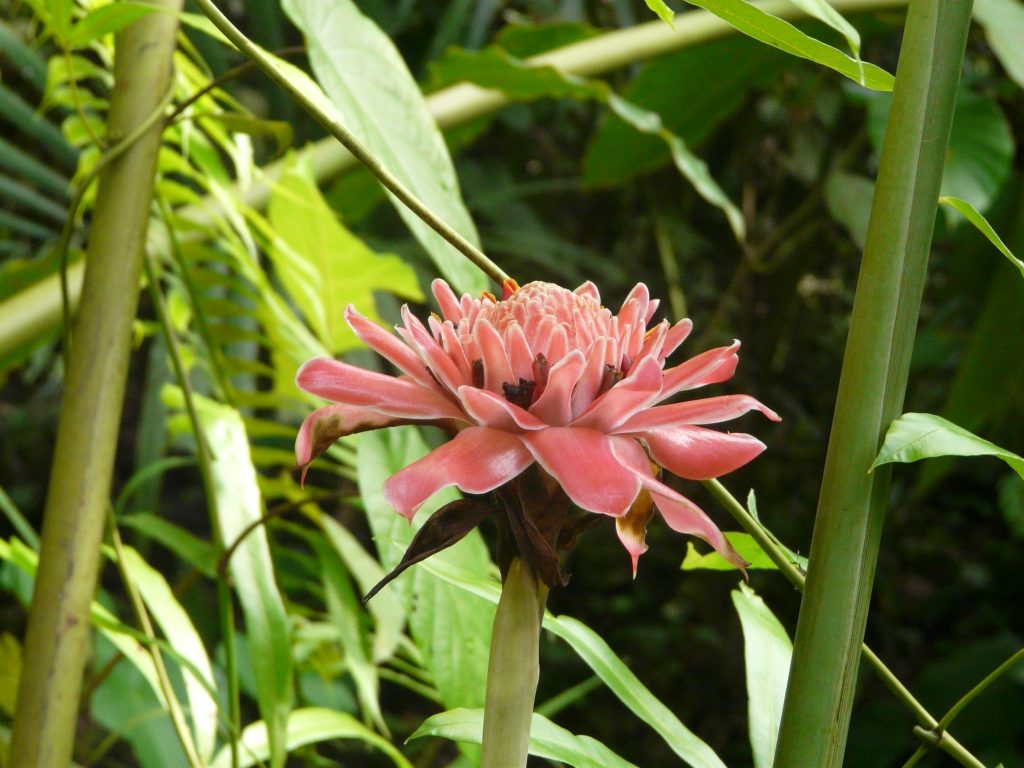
851	508
513	669
78	497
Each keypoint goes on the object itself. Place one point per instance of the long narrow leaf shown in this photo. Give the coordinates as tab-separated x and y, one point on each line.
981	224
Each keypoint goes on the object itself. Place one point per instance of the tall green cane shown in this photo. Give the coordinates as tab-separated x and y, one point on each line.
513	669
79	492
851	508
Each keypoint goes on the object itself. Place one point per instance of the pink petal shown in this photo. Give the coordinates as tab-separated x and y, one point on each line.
632	527
446	300
681	514
590	379
491	410
709	410
477	460
347	384
696	453
709	367
677	334
581	460
497	370
437	360
386	345
652	307
589	289
520	355
554	404
453	348
635	392
325	425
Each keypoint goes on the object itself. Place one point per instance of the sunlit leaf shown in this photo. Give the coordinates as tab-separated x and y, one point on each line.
105	20
981	224
547	740
365	76
767	651
663	11
776	32
916	436
306	726
743	543
324	267
824	12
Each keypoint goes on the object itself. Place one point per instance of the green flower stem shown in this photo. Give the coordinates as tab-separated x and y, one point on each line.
851	508
79	492
37	309
513	669
795	576
350	142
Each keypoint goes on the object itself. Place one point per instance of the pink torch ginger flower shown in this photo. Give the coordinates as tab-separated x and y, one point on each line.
545	377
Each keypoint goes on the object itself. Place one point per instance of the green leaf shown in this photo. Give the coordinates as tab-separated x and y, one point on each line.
324	267
824	12
773	31
193	550
493	68
849	196
743	543
547	740
251	567
767	650
105	20
522	39
365	76
982	225
306	726
1003	21
177	627
916	436
457	663
980	153
663	11
689	103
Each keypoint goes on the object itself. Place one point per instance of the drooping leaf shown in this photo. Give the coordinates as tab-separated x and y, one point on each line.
916	436
981	224
306	726
767	651
824	12
324	267
745	546
980	151
778	33
367	80
663	11
251	567
547	740
1003	21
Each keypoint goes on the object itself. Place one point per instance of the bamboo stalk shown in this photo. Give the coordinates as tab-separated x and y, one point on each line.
78	497
851	508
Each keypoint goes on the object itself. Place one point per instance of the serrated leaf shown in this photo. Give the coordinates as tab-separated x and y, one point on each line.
367	80
767	651
310	725
981	224
324	267
778	33
916	436
547	740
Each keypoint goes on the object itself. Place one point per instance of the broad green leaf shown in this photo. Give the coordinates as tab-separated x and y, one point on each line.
916	436
767	651
743	543
981	147
344	609
60	14
324	267
1003	21
177	627
547	740
663	11
105	20
457	662
493	68
251	567
596	653
523	39
365	76
306	726
773	31
689	103
982	225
